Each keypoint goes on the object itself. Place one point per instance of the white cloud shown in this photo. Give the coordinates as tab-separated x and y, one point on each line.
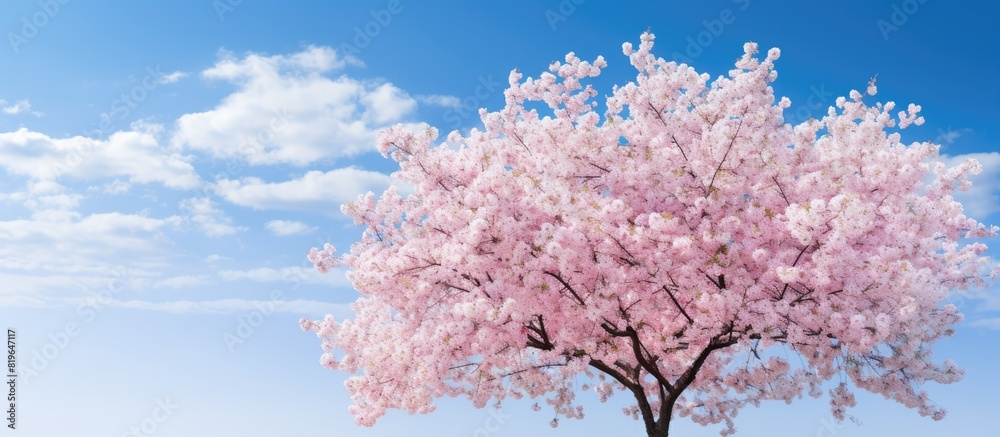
60	202
262	274
228	306
216	258
387	104
284	228
184	281
334	278
212	221
980	299
439	100
286	111
39	285
983	199
67	243
948	137
172	77
22	302
988	323
21	106
315	190
312	308
134	154
117	187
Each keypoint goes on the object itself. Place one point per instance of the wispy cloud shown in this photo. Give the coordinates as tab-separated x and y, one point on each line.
184	281
71	243
983	199
22	302
228	306
213	258
284	228
172	77
989	323
334	278
440	100
116	187
949	136
212	221
21	106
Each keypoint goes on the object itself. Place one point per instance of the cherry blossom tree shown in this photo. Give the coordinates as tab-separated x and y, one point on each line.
687	247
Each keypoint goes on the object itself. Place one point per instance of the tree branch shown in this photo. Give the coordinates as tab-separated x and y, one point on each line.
677	304
729	149
646	362
567	286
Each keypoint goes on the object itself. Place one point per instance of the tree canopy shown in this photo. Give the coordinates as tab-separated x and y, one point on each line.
677	248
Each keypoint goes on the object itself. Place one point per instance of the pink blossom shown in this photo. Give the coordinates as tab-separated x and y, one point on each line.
666	246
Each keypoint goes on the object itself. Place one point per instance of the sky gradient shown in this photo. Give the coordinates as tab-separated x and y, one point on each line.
167	165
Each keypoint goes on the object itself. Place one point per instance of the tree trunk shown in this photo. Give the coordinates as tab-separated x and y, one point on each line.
660	427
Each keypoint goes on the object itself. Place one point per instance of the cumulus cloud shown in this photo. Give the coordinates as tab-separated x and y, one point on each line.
315	190
386	104
284	228
285	110
296	108
133	154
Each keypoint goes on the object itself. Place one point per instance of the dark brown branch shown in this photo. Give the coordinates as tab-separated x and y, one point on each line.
618	376
567	286
674	140
471	279
446	284
719	282
601	168
646	360
658	113
519	140
800	256
631	258
635	386
688	376
797	258
678	304
441	183
783	196
544	343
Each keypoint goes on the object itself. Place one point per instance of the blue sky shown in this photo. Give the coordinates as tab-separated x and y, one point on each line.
166	165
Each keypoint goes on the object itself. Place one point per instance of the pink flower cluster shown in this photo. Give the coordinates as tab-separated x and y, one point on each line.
677	247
